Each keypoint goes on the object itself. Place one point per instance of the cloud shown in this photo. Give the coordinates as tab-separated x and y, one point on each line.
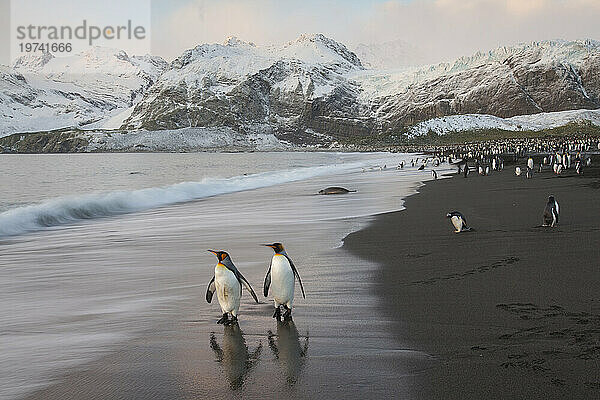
444	29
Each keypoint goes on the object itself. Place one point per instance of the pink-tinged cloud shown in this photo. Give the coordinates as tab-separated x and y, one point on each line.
443	29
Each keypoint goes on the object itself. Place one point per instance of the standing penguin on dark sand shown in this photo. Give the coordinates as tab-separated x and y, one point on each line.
459	221
281	279
227	282
551	212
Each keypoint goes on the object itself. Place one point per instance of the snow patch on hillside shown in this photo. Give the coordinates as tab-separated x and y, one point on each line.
534	122
186	139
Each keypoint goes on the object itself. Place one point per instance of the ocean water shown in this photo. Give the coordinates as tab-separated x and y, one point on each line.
99	250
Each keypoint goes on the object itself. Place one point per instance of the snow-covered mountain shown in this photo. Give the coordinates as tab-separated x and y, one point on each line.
43	92
236	84
308	90
539	77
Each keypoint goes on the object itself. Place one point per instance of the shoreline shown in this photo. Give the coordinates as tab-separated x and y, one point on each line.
500	308
177	353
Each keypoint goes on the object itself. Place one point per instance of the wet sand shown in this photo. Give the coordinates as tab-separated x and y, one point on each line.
337	346
510	310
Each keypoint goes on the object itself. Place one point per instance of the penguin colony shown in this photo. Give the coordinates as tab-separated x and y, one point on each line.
558	155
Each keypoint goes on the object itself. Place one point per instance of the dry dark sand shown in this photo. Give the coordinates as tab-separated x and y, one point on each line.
511	310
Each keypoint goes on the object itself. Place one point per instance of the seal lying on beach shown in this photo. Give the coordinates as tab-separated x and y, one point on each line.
335	190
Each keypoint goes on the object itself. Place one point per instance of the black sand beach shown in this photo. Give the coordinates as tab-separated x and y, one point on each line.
510	310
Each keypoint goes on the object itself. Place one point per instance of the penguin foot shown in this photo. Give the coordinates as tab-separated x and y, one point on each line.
277	313
231	321
223	320
287	315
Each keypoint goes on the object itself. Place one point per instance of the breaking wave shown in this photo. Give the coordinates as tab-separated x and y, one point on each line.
64	210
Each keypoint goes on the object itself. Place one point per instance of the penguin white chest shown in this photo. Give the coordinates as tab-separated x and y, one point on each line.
457	222
282	280
228	289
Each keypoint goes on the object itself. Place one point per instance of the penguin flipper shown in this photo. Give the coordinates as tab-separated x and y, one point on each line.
210	290
267	281
297	274
247	284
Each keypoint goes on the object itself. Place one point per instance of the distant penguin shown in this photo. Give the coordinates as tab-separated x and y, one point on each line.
578	168
518	171
459	221
551	212
530	163
494	164
487	170
559	169
466	171
227	282
281	279
433	174
545	160
481	171
529	173
422	167
540	169
459	169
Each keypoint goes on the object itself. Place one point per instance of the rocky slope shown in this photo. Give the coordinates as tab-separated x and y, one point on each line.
43	92
316	85
544	77
300	86
308	91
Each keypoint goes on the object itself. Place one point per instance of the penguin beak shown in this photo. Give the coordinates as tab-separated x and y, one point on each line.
267	245
212	251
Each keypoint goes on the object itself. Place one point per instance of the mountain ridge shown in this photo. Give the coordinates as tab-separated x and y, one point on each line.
311	87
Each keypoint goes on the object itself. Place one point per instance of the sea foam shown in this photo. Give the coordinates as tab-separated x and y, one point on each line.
69	209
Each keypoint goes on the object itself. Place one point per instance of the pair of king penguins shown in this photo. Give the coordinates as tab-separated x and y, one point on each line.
228	280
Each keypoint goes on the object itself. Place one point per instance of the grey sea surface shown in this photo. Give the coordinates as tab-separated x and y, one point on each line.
103	272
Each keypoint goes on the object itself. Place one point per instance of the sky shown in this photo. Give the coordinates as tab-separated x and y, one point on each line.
442	29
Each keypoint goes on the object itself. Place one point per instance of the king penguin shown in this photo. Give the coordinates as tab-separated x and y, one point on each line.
551	212
518	171
281	278
459	221
227	282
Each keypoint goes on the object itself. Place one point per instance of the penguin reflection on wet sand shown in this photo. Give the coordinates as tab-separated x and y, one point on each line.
551	212
288	350
227	282
281	279
234	356
459	221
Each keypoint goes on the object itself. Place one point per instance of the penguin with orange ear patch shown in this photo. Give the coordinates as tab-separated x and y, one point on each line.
227	283
281	280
